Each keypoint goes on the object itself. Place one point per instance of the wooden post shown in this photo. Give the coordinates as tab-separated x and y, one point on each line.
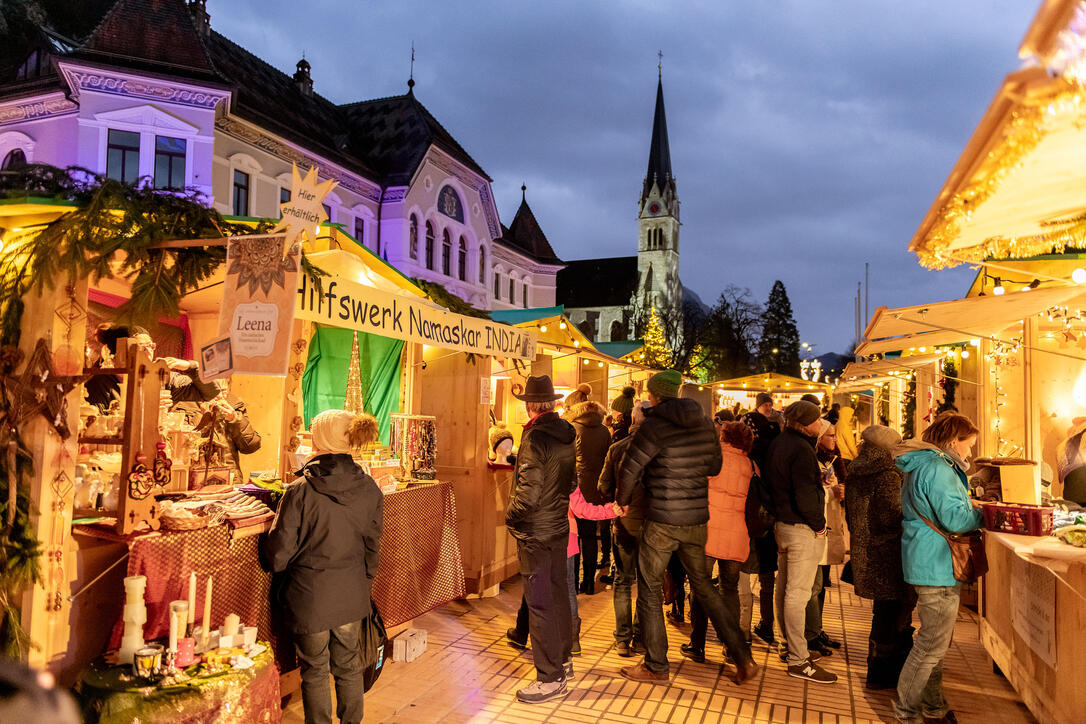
59	316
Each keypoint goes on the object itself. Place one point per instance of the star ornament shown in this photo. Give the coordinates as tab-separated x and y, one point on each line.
303	214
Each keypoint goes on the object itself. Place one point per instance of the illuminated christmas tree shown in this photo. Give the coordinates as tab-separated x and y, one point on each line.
657	353
352	403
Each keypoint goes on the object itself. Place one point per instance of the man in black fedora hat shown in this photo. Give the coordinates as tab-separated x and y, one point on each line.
543	480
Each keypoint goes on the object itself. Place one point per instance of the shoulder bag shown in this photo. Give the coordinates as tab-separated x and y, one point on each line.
966	552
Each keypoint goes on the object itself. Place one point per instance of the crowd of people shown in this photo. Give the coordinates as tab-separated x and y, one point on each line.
656	493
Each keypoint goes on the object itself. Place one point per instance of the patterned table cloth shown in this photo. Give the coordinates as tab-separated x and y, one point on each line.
420	568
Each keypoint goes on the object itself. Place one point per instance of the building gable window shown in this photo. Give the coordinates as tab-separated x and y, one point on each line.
15	159
429	245
360	230
170	163
512	290
446	253
413	238
123	156
497	285
524	296
462	261
241	193
482	265
449	204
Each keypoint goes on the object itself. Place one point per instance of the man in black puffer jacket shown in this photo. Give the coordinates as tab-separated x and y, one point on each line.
544	478
674	452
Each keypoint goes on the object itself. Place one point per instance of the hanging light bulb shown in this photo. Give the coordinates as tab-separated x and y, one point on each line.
542	328
561	325
965	354
998	290
1078	276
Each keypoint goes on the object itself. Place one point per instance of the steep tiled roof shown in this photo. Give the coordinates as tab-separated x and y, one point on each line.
151	34
393	134
526	236
597	282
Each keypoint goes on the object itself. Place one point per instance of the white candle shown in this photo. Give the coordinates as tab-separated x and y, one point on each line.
231	624
207	613
192	604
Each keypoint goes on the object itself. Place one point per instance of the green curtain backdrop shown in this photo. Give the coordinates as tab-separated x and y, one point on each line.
324	383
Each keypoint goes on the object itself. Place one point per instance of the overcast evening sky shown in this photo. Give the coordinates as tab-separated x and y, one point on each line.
806	137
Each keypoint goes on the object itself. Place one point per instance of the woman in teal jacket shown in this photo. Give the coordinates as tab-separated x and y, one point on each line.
935	488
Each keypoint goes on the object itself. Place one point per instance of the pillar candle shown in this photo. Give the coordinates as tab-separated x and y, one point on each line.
231	624
192	599
207	614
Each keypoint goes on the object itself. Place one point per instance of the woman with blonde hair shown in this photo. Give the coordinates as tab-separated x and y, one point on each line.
325	540
934	499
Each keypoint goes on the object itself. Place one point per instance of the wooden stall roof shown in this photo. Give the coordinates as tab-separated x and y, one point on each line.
769	382
883	367
960	320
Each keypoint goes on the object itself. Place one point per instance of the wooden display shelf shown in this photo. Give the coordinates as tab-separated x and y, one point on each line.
102	439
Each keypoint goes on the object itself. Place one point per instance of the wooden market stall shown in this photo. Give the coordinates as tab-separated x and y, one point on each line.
884	384
74	612
1012	206
784	388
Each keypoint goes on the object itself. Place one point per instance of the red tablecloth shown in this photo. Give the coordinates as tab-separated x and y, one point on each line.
240	585
421	567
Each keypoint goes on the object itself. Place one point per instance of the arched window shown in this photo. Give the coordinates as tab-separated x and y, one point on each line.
512	290
446	253
429	245
413	238
462	262
524	295
482	265
497	285
14	160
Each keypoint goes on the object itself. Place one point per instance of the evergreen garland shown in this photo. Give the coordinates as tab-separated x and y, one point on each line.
908	424
950	386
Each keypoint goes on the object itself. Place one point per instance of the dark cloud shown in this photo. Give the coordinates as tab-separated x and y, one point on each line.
807	137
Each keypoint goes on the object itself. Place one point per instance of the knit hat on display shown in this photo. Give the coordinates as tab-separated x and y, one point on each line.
666	383
340	432
801	412
881	436
762	398
624	403
497	434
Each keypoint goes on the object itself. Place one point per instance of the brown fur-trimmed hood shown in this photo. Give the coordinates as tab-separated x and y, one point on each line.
586	413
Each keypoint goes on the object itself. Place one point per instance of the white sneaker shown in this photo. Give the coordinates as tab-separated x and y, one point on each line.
538	692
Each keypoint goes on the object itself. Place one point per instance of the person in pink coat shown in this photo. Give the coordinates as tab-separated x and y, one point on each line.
728	541
581	508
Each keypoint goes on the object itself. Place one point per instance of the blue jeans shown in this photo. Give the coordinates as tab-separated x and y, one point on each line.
920	685
625	552
338	651
797	562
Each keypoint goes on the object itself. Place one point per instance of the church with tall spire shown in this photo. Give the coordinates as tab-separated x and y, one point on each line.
609	298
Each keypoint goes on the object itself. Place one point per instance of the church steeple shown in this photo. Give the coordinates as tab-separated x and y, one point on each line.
659	171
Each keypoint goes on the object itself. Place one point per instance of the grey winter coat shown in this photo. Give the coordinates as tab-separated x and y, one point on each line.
326	537
873	511
673	452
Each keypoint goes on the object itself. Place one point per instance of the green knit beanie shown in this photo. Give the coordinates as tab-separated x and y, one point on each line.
624	402
666	383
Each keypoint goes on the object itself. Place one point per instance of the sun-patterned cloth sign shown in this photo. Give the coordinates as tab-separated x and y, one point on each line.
303	214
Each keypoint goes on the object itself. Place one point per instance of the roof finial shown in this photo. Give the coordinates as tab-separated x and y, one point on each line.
411	77
660	64
523	193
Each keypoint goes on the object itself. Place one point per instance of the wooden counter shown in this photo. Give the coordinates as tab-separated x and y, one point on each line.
1033	622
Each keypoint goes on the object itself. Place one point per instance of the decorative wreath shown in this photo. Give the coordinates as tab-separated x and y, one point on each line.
517	388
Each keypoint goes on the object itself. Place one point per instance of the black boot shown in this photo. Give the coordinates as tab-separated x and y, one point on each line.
575	650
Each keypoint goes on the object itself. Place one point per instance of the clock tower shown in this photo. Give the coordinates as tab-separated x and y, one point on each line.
658	224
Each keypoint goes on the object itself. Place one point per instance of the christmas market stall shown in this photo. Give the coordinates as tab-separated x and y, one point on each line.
1012	208
148	512
785	389
885	390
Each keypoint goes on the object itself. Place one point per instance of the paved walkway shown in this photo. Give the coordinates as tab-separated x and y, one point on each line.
469	674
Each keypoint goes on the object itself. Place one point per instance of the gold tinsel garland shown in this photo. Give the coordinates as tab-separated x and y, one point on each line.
1028	126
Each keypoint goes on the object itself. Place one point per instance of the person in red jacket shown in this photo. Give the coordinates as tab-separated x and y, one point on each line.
728	542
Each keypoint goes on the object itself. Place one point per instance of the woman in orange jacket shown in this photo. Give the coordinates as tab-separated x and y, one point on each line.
728	541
